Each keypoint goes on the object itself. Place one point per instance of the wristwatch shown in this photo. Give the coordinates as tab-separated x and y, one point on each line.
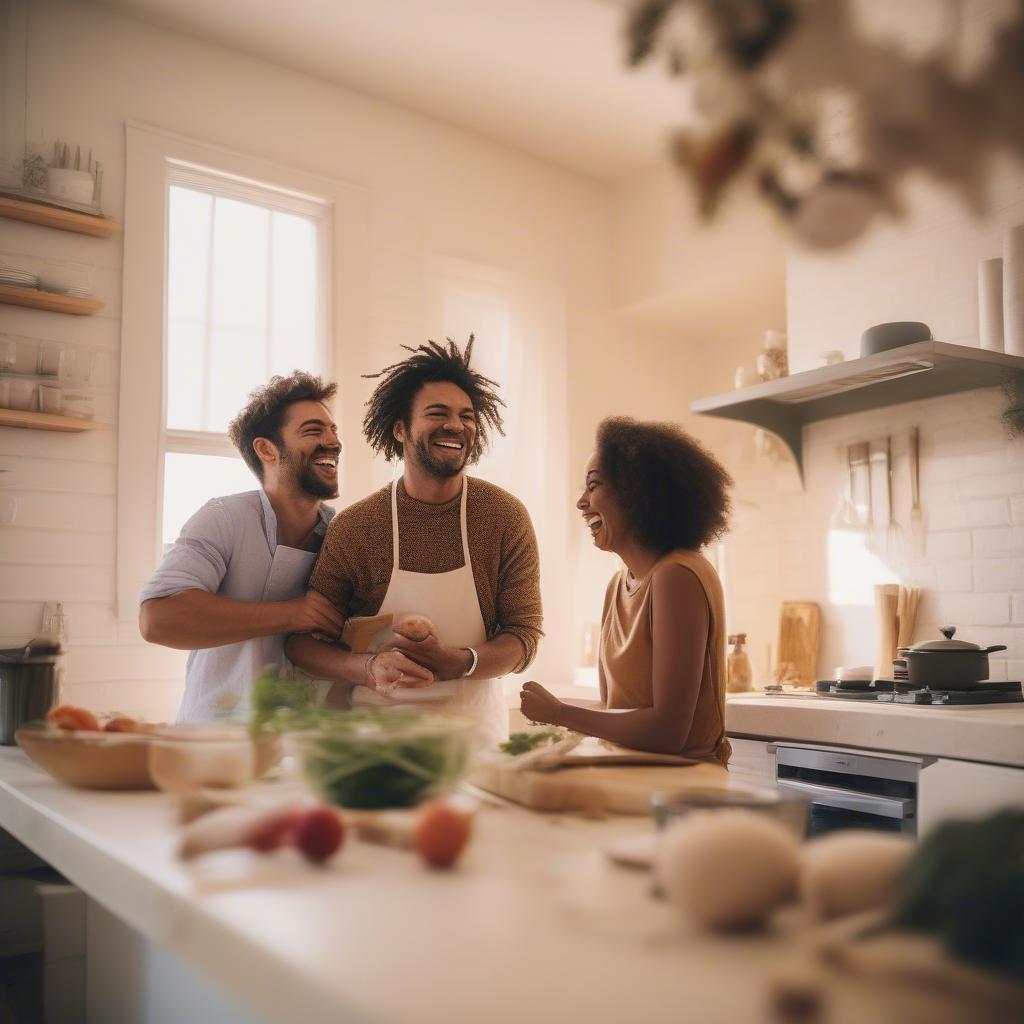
472	664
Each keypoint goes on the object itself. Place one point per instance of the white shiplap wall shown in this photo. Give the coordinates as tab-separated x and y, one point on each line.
433	192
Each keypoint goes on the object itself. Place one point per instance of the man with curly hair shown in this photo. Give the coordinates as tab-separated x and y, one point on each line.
234	583
437	544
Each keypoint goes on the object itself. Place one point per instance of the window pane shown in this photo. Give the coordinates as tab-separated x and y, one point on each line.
192	480
241	238
294	312
237	364
186	380
244	298
188	254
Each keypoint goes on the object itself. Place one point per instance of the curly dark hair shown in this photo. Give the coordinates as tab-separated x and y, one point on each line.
392	398
264	414
673	492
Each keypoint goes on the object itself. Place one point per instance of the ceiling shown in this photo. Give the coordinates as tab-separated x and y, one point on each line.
543	76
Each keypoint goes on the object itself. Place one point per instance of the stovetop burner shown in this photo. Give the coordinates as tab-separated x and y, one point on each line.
889	691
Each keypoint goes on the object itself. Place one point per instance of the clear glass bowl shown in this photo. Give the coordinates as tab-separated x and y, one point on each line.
786	808
183	758
376	758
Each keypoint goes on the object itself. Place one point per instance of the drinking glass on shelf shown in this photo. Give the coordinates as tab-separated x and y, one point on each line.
8	352
51	399
55	360
22	394
78	404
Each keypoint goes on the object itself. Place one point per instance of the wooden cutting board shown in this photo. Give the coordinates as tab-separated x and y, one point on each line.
618	789
799	634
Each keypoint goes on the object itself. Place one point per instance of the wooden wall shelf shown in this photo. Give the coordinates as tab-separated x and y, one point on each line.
56	217
33	298
43	421
926	369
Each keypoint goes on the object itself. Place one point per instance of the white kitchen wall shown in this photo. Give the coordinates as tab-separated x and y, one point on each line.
972	473
433	192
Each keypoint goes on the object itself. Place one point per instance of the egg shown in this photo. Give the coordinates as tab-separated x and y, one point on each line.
851	871
727	869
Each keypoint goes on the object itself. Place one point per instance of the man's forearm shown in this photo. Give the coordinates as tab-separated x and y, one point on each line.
498	657
325	661
194	619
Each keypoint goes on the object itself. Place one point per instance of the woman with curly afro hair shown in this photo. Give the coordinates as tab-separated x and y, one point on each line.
655	497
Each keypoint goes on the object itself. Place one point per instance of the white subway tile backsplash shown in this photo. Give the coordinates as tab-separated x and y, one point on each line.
973	609
999	574
999	543
956	577
1009	482
958	514
949	546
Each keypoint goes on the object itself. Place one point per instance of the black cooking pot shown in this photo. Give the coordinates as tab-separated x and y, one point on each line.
947	664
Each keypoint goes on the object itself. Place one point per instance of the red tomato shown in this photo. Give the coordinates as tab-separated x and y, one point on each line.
440	835
318	834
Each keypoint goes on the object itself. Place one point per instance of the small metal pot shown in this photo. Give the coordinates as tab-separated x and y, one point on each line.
28	686
947	664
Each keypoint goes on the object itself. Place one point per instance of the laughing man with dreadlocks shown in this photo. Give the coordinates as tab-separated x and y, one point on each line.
436	543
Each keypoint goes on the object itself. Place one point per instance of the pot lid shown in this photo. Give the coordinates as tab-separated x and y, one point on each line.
949	644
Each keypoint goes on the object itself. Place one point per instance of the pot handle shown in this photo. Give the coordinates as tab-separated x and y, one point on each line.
998	647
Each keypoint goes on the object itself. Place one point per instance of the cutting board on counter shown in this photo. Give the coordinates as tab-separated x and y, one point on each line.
595	789
799	637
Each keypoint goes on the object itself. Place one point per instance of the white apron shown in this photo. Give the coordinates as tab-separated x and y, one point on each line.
450	601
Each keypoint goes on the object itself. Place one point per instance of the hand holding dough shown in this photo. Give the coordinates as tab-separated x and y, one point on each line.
415	627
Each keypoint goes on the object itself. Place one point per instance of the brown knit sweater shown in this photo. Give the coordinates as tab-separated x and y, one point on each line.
354	566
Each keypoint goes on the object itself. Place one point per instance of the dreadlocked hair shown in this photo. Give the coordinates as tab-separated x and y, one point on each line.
392	398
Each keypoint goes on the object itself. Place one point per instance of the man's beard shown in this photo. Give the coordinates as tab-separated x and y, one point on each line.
305	476
433	464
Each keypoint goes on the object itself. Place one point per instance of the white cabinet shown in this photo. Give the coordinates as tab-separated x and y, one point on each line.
965	789
751	762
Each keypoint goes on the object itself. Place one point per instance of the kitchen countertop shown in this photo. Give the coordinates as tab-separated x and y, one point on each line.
534	924
992	734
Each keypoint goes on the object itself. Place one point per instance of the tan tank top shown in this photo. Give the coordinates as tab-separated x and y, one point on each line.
625	661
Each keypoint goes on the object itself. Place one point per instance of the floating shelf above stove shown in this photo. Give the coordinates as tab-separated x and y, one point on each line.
926	369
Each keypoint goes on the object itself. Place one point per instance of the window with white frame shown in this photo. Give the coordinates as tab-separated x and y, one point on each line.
245	299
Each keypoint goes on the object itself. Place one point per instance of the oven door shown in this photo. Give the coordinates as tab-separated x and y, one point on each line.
850	789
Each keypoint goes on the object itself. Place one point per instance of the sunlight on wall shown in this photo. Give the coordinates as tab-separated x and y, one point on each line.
854	569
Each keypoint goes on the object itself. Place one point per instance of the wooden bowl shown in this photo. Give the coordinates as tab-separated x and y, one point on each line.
90	760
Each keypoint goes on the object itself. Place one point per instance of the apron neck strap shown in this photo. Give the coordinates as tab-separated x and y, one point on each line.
394	523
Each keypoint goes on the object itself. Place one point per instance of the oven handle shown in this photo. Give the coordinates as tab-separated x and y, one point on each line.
900	808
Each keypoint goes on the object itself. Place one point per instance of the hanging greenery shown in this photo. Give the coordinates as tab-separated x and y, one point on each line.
826	121
1013	414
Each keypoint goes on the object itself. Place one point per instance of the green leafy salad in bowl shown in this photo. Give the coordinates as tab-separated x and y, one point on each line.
374	758
366	759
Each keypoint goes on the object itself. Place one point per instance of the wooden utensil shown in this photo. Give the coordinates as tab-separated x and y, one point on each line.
799	637
886	627
917	531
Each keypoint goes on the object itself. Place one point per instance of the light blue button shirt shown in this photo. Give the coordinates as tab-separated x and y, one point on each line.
230	547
